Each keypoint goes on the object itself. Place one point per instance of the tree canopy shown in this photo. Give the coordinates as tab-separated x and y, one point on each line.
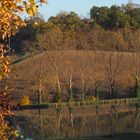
10	23
115	23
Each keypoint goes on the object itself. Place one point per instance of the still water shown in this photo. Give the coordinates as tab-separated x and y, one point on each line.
77	124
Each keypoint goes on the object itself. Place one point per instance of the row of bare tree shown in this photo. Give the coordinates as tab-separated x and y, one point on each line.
58	71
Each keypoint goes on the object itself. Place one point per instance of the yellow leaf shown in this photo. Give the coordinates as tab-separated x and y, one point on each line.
36	23
31	13
34	8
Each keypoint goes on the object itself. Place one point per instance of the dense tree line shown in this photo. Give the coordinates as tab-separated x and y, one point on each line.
116	17
114	28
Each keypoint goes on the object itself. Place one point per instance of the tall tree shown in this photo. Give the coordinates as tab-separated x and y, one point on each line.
100	15
10	22
113	65
67	20
135	18
134	63
118	18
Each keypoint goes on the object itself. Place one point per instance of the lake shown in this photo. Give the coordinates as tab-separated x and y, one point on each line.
77	124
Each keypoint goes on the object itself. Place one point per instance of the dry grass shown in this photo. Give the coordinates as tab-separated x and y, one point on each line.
92	64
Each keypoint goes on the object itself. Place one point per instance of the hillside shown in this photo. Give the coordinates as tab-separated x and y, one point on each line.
86	68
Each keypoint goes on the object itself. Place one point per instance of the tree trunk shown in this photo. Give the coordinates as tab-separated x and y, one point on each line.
96	91
83	96
39	97
137	88
70	91
58	90
111	90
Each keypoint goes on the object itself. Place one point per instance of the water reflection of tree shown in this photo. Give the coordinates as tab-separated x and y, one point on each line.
31	126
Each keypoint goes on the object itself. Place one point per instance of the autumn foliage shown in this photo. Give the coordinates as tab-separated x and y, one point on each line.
25	100
10	22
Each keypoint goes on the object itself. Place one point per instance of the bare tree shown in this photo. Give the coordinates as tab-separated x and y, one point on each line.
83	73
134	66
112	64
95	73
134	59
58	88
40	77
70	90
82	62
52	41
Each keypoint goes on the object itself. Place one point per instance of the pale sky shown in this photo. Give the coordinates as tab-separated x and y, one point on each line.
81	7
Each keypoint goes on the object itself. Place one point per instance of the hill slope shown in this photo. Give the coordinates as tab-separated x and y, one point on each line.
89	66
